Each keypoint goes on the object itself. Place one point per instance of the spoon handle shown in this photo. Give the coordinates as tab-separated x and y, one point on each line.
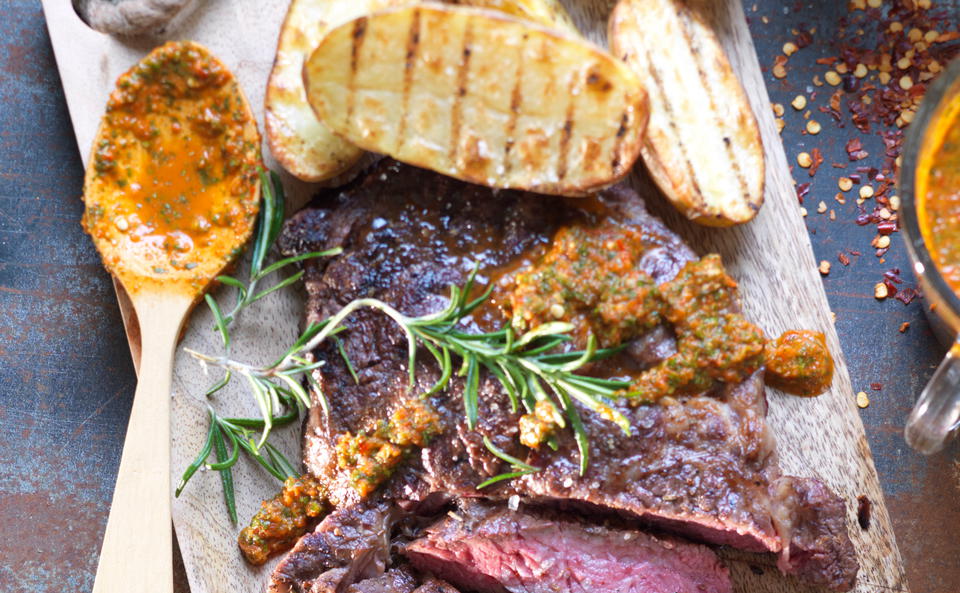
137	547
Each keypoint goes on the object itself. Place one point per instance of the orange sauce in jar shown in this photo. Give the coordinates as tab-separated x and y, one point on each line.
938	193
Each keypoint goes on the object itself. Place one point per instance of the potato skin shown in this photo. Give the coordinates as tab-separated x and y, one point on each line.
480	96
703	145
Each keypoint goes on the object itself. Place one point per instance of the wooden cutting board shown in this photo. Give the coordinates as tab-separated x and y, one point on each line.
771	257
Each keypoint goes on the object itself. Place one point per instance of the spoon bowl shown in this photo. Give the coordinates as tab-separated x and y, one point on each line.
171	194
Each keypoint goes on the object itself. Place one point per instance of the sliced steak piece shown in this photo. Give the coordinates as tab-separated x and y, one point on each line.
435	585
395	580
490	548
700	465
355	540
819	550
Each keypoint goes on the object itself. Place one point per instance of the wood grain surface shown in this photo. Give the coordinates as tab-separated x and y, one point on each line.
771	257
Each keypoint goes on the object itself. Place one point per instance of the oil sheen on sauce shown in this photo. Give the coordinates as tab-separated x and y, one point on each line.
172	188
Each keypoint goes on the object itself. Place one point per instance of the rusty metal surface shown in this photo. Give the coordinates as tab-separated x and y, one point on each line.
67	380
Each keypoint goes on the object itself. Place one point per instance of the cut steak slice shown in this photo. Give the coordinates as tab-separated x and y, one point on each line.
701	465
354	540
490	548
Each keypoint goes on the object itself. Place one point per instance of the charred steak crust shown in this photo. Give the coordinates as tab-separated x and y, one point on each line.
701	465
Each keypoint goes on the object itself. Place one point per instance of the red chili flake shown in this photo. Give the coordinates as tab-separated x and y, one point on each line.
838	165
817	161
891	287
827	61
904	326
854	252
855	150
804	38
893	274
844	259
876	386
802	190
907	295
863	512
886	227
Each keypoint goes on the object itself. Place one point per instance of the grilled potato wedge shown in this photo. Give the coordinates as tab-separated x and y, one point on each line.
702	145
297	139
480	96
304	146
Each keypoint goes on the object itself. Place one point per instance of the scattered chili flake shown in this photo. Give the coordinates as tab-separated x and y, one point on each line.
802	190
904	327
876	386
907	295
855	150
844	259
817	161
863	512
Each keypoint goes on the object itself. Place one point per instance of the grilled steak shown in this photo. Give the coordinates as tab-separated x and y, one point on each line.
490	548
703	466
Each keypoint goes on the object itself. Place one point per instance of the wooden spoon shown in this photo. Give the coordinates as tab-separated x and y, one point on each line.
171	194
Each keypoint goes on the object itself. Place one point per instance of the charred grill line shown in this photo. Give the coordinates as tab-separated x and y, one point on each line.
621	133
456	114
356	42
568	127
693	41
413	45
516	97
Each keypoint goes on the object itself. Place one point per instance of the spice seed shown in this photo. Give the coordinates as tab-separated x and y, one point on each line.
799	102
824	267
804	160
813	127
860	71
884	77
832	78
845	183
880	291
822	207
906	83
789	48
894	202
779	71
778	109
866	191
862	400
883	242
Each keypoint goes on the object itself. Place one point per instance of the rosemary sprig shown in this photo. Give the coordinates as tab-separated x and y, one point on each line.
528	367
520	468
280	402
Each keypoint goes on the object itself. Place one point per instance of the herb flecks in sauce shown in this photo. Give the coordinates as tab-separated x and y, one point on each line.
174	175
371	457
938	194
591	277
799	362
283	519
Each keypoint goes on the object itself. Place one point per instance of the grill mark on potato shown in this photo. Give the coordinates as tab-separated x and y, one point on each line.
671	119
456	111
568	126
693	40
356	42
413	46
621	133
516	97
